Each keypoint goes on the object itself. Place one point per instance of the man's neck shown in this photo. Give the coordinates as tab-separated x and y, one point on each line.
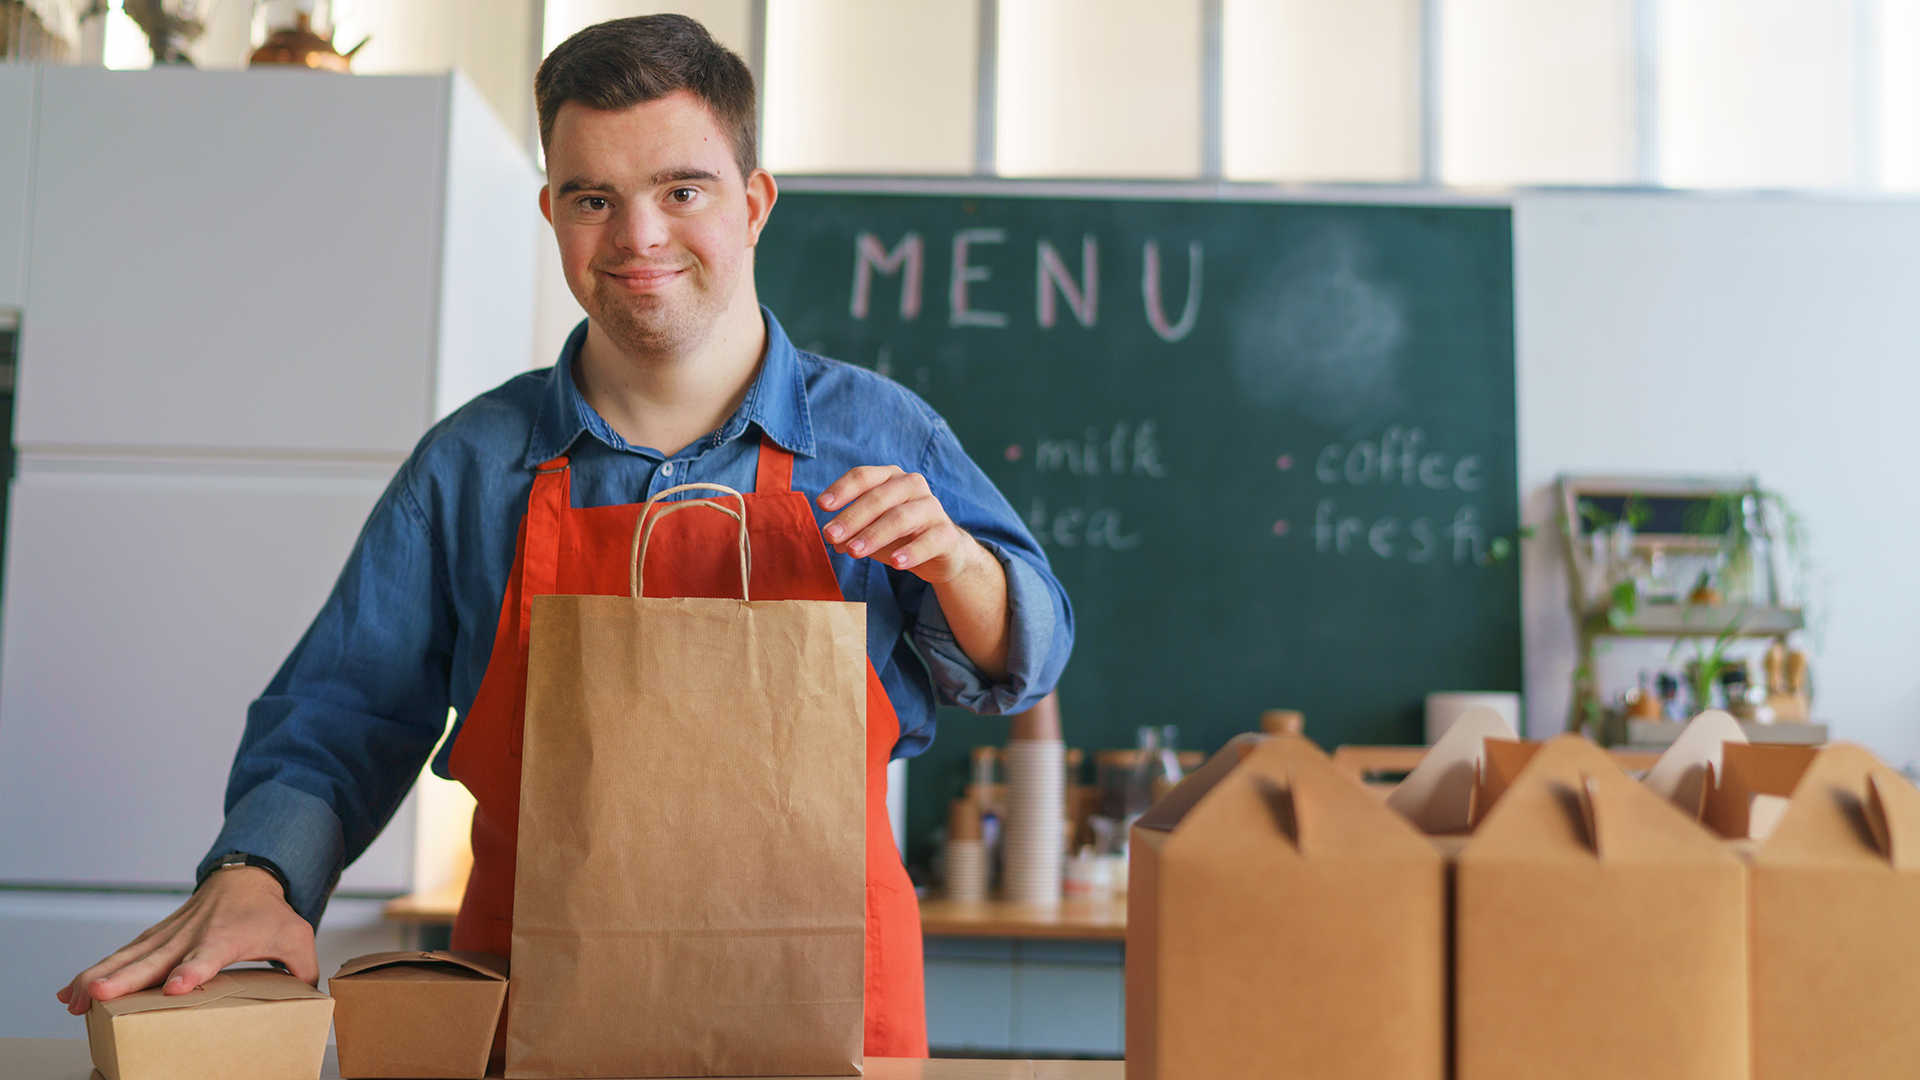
666	401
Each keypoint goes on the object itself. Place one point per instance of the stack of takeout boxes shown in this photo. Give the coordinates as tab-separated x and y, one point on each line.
1520	910
414	1014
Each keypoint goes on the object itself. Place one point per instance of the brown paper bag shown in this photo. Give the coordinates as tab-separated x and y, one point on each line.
690	891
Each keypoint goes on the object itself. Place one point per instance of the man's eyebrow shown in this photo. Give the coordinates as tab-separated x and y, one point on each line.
674	176
580	183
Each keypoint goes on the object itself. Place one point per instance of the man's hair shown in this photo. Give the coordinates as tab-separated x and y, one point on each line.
621	63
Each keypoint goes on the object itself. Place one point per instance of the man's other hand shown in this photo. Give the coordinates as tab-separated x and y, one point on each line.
893	516
237	915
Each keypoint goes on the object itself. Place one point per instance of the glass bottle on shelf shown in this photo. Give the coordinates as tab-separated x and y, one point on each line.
1140	794
984	791
1167	769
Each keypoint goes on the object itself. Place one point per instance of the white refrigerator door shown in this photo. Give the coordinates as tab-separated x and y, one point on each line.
17	85
145	608
246	261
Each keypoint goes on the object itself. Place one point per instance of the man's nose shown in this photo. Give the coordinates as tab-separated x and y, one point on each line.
642	227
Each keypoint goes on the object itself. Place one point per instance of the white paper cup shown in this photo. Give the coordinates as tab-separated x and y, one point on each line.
1443	709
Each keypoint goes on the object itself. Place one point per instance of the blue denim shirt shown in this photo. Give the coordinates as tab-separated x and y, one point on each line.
333	745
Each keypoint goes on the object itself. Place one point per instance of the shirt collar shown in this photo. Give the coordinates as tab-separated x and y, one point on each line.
776	403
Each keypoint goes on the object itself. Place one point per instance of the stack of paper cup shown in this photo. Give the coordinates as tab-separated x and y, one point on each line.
1031	847
966	853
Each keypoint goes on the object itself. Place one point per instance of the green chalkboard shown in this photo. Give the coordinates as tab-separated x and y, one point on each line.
1268	446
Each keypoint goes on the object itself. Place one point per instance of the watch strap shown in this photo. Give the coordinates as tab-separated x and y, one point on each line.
235	859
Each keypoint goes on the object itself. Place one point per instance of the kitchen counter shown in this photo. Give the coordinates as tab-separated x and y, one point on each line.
1072	920
66	1059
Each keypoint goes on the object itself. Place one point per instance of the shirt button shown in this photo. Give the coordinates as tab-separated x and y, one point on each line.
667	469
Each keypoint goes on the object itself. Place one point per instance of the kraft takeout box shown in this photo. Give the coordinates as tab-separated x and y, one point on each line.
1282	922
417	1014
1599	933
1835	908
1439	795
247	1024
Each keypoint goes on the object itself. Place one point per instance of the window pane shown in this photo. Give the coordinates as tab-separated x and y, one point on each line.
1314	90
1899	103
885	86
729	21
1098	88
1758	93
1535	93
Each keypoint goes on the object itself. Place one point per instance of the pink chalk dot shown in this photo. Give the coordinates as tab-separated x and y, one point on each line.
1013	453
1279	528
1285	462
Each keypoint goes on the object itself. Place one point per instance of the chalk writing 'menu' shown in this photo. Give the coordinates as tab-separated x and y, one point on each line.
965	273
870	256
1051	276
1151	292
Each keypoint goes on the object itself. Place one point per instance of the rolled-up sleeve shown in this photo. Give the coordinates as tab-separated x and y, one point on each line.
1040	630
333	745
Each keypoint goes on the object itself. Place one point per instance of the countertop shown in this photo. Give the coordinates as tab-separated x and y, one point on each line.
66	1059
1077	920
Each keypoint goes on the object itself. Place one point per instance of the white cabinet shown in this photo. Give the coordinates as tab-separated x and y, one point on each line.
246	297
145	608
260	260
17	85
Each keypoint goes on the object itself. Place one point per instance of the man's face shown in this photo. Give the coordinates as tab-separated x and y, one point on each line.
655	224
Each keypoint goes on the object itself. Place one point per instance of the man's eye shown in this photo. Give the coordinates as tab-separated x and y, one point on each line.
593	203
684	195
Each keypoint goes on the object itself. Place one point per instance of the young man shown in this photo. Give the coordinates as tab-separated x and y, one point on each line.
677	376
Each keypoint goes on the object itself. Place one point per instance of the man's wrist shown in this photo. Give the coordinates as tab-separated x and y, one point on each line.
240	860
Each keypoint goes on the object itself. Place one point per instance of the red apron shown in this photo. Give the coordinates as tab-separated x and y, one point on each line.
586	552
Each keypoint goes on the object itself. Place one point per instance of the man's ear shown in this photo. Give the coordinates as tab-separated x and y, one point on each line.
546	202
761	194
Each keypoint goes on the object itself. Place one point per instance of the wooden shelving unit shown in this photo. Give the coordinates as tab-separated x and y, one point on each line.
1667	503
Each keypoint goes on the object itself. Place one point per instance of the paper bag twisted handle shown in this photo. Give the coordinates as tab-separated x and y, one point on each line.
643	533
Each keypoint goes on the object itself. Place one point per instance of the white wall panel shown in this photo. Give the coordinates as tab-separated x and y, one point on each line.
1700	335
241	260
487	269
146	607
17	86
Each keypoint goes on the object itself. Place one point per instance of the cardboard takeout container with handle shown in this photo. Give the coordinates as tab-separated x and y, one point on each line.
1834	837
417	1014
1598	932
1283	922
247	1024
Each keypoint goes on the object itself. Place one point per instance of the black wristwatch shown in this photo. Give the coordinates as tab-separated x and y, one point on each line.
237	859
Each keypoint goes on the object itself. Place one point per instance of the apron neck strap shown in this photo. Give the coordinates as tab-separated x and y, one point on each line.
775	471
540	544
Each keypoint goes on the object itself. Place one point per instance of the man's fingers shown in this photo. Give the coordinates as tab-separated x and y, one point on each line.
77	996
901	489
856	482
900	522
192	971
138	975
302	961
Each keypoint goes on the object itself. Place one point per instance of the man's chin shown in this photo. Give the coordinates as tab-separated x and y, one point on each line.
641	328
